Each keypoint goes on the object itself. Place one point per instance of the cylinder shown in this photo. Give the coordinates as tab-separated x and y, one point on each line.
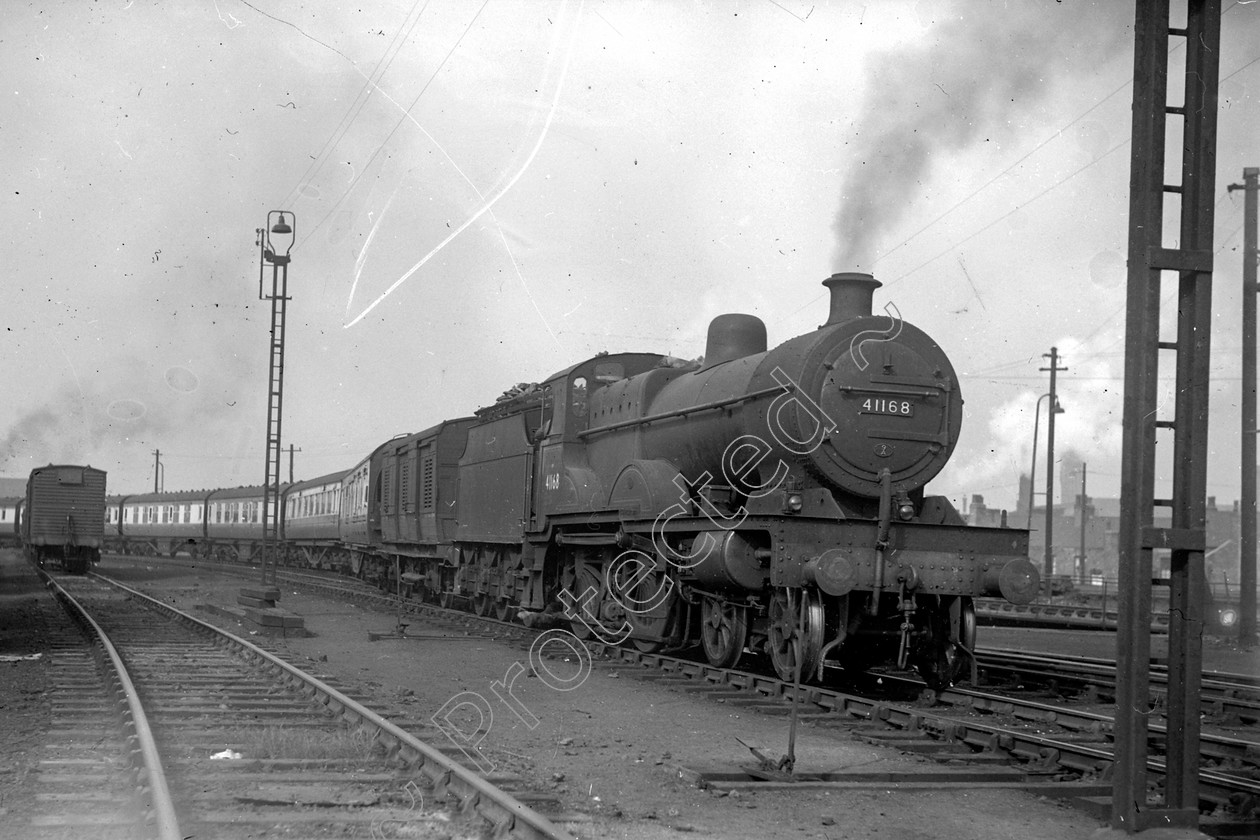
726	560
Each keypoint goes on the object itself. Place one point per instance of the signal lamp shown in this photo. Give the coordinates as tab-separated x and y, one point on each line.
1229	617
906	511
794	502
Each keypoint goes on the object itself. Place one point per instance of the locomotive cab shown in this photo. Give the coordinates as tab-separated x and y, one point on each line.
592	394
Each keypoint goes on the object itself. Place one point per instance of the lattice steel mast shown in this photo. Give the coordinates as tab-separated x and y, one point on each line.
279	297
1155	39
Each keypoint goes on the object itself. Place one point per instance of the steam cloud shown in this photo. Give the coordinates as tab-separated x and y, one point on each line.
982	64
103	421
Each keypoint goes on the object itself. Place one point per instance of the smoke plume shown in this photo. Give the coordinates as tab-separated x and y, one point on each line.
118	416
973	73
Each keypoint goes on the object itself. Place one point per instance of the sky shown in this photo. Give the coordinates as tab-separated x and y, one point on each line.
484	193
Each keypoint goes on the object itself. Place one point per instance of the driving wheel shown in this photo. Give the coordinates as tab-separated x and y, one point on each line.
503	609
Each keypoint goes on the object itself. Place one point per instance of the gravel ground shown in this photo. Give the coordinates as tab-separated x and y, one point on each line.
24	709
612	747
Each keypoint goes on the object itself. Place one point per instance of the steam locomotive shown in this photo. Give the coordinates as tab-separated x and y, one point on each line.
763	499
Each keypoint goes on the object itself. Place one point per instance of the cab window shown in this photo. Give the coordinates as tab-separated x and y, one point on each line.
607	372
577	396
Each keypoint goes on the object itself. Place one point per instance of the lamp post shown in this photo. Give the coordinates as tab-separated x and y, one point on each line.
1032	476
279	296
1054	368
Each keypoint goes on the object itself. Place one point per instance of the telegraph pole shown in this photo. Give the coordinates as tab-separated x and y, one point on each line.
1247	499
1054	368
291	451
1084	470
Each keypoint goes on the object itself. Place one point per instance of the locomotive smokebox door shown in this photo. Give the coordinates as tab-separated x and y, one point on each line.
895	406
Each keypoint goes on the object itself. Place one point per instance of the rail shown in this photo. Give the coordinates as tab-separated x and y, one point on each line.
150	761
506	814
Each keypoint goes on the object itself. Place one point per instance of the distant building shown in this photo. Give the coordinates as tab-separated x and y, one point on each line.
1101	518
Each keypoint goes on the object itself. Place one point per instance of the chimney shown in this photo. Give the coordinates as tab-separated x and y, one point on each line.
851	294
734	336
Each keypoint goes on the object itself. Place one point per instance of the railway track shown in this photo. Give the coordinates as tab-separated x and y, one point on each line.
1229	698
976	738
92	780
222	739
981	737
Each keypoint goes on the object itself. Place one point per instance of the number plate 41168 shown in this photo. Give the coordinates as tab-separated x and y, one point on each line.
884	405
